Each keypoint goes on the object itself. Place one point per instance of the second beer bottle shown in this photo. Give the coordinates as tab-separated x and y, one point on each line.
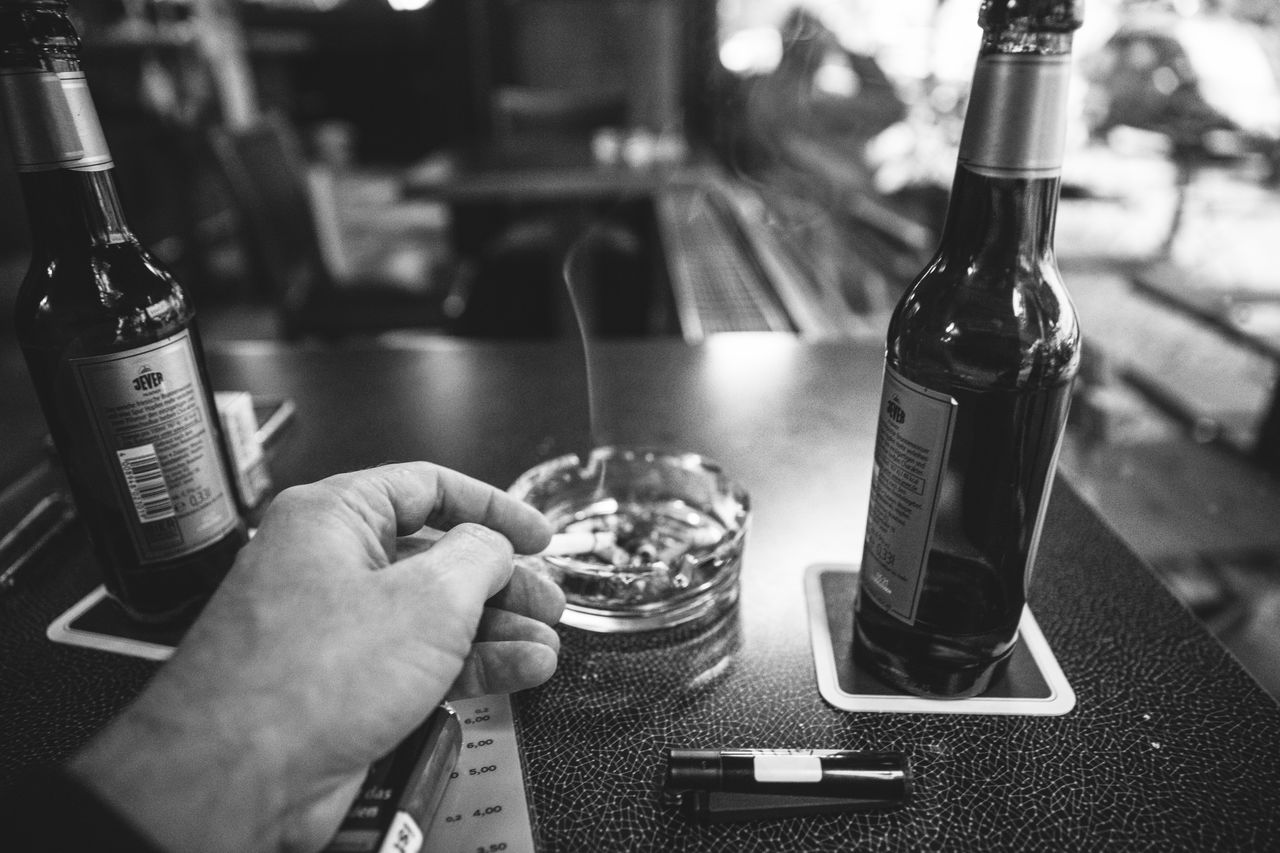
981	354
111	342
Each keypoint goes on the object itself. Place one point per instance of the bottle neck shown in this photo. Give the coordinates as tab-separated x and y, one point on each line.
72	210
1005	195
1000	217
61	154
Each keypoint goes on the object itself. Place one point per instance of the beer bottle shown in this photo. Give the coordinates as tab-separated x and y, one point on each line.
111	343
981	354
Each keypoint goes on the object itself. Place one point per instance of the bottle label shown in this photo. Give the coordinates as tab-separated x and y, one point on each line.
1016	122
154	425
912	443
52	121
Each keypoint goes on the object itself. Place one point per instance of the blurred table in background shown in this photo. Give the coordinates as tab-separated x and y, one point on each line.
550	168
706	262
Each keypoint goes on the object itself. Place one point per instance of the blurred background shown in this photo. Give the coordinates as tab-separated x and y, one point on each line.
327	171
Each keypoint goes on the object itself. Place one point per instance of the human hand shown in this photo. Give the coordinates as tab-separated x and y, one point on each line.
328	642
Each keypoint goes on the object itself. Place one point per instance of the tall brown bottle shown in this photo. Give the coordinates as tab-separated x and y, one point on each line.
111	342
981	355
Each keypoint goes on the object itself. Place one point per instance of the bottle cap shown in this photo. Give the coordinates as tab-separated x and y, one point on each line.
31	27
1054	16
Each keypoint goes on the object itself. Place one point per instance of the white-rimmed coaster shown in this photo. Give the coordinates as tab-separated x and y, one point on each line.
97	622
1033	684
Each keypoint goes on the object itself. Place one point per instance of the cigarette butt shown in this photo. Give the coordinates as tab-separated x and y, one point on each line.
580	542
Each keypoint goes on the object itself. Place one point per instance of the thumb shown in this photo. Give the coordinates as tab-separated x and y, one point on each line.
470	563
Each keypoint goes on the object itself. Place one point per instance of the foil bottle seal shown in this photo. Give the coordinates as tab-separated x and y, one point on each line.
52	121
1048	16
1016	123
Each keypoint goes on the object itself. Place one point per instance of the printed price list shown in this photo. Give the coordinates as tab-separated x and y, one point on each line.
484	808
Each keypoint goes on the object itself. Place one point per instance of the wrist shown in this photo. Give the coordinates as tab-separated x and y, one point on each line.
185	781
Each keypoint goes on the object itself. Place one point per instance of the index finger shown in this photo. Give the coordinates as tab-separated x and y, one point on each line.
411	495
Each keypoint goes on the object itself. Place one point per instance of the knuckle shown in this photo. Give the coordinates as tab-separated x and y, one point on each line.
316	502
308	497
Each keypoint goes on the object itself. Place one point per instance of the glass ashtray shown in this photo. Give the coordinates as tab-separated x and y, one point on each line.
644	538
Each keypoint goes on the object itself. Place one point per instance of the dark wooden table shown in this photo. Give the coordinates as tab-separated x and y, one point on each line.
1170	745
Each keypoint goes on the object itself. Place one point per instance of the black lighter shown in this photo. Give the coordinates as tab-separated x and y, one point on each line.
402	791
723	785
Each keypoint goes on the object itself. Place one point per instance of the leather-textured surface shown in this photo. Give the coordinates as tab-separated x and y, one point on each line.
54	697
1171	745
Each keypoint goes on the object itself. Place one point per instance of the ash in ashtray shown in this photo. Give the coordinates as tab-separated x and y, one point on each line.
645	538
651	551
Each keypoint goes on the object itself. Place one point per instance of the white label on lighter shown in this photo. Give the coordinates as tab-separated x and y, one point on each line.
787	768
484	807
403	836
912	443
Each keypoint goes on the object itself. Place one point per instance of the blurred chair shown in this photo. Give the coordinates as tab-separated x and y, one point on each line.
293	239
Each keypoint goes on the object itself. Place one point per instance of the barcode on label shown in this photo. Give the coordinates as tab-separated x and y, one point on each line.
146	482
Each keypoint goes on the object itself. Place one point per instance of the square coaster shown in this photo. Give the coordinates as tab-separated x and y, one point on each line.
97	622
254	425
1033	683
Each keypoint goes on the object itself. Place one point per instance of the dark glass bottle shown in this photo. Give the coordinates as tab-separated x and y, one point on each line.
981	354
111	343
